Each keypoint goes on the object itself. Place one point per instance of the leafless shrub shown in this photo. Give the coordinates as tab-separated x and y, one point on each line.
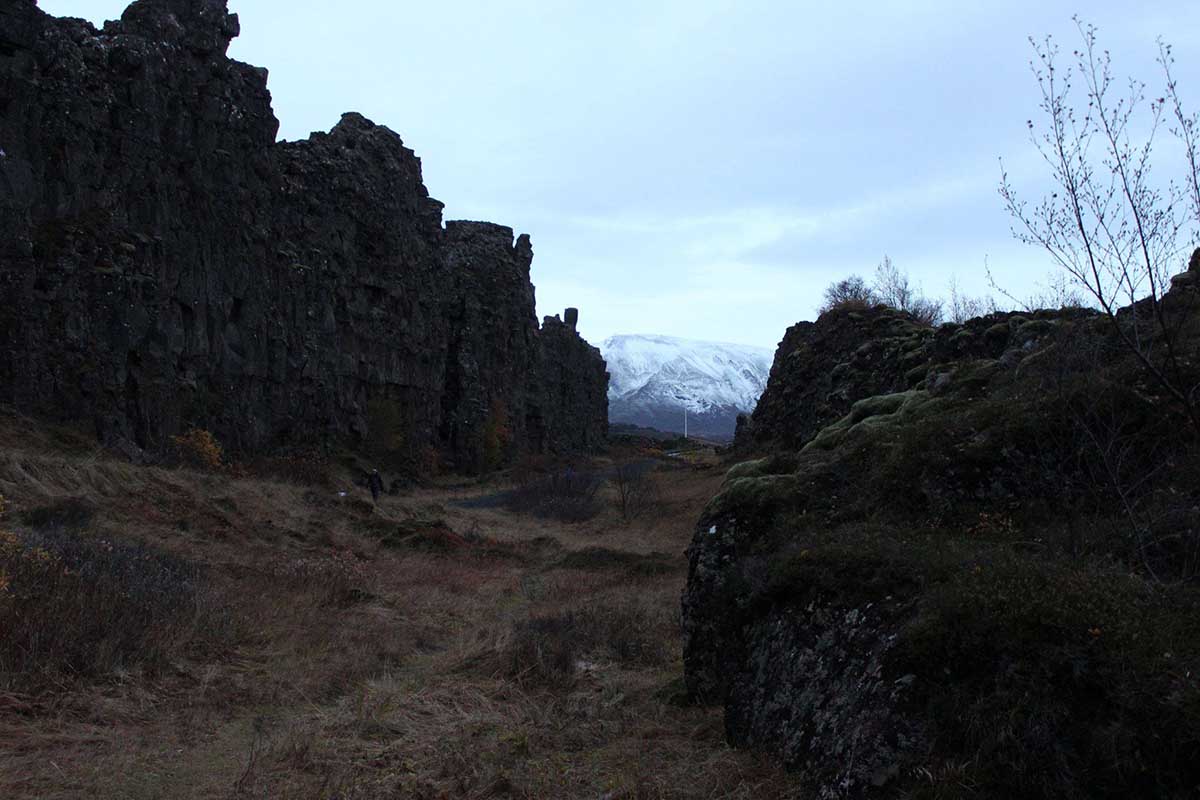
891	285
961	307
1056	292
569	495
1113	230
851	292
73	604
893	288
926	311
636	490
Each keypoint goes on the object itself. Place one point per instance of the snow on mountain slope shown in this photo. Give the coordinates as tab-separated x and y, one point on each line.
654	378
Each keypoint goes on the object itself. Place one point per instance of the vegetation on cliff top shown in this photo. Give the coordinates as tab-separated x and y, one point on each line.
969	564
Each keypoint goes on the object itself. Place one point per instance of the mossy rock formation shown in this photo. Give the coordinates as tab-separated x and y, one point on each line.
928	583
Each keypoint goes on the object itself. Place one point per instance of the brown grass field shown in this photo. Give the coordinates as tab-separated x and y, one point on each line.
419	649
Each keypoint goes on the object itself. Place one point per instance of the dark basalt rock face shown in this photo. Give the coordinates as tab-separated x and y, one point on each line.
823	368
492	347
894	599
167	264
569	374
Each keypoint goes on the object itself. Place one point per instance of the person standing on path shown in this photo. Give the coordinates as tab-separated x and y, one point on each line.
375	484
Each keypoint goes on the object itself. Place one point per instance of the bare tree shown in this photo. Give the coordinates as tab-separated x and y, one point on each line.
926	310
1059	290
891	285
893	288
1116	233
848	292
962	307
636	489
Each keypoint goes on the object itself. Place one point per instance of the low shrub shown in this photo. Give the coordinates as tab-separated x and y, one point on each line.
568	495
72	604
199	449
74	513
497	436
636	491
386	429
548	650
1055	679
428	462
340	579
543	651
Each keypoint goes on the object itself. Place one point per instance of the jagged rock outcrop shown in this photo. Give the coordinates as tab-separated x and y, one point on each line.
823	368
167	264
490	359
945	571
569	373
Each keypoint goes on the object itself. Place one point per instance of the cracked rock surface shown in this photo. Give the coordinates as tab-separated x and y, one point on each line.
166	263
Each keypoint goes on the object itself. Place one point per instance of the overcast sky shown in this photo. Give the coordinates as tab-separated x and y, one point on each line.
704	168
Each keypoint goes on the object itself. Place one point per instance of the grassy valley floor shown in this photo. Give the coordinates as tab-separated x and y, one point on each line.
427	648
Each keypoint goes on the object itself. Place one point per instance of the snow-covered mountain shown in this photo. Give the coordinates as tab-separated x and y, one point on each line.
654	378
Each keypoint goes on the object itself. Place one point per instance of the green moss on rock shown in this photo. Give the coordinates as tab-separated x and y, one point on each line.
937	593
746	469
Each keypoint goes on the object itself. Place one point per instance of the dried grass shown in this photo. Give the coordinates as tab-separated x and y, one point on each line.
412	679
74	605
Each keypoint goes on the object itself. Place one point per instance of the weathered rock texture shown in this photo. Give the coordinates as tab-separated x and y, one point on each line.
569	373
823	368
165	263
905	593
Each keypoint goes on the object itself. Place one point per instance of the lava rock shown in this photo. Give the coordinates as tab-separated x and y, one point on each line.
167	264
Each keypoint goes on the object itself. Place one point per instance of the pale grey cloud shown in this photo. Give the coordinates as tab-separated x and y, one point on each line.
704	168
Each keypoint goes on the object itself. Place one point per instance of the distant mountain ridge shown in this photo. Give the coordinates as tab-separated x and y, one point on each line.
655	378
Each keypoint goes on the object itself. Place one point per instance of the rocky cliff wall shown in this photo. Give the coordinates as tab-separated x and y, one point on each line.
905	579
166	263
823	368
570	373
